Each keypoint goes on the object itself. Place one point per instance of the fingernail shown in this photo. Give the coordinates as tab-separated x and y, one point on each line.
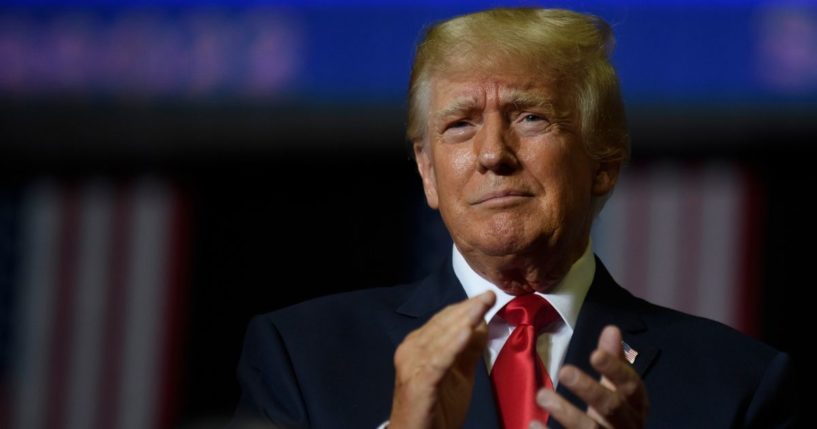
535	424
544	399
569	376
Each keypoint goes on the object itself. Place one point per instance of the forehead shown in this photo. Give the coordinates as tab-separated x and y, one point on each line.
483	88
490	71
473	85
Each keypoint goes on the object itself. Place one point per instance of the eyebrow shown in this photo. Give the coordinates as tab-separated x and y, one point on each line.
515	99
521	100
458	107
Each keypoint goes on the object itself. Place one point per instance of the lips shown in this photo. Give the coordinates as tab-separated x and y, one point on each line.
501	196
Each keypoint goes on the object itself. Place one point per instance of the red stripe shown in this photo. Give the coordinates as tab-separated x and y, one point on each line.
113	339
637	217
65	292
751	240
175	311
691	228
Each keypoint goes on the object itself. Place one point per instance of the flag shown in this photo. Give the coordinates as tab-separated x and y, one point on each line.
686	237
98	303
629	353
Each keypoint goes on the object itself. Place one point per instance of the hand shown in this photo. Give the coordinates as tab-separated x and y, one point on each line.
618	401
435	364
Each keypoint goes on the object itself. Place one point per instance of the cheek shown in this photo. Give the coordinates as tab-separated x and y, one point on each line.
565	182
578	190
461	162
452	167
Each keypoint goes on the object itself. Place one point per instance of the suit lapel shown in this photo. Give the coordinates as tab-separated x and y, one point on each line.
606	304
436	291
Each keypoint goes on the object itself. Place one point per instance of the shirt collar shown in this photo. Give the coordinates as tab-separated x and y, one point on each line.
567	297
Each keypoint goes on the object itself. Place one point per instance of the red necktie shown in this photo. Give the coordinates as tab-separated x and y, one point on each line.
518	372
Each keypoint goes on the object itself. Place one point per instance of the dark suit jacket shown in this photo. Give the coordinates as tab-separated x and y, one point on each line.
328	363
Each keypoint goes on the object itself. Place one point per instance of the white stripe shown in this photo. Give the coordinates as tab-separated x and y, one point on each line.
610	231
634	244
93	274
664	229
41	223
146	282
714	285
718	291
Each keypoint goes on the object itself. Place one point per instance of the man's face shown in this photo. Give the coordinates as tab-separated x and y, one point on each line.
504	163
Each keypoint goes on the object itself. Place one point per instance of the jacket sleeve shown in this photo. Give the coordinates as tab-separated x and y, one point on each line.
270	394
775	403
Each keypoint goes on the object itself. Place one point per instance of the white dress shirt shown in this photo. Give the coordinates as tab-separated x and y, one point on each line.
567	298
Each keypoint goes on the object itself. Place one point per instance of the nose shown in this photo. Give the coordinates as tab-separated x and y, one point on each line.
494	151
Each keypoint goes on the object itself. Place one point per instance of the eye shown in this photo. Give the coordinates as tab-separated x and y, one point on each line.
457	124
458	130
532	123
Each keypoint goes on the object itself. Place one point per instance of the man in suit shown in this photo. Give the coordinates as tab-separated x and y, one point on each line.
519	133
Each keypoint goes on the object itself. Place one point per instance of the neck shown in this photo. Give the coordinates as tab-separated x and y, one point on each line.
519	274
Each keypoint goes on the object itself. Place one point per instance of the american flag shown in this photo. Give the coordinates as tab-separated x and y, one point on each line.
629	353
97	292
686	236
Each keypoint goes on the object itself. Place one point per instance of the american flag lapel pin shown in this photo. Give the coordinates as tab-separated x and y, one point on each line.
629	353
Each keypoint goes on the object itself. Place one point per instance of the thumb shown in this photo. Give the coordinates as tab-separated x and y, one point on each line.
610	341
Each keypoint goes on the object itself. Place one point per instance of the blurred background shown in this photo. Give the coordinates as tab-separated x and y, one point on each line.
170	168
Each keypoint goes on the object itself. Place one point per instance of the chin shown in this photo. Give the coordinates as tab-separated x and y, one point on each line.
499	246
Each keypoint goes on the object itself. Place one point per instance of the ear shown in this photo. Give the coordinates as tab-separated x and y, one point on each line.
605	177
422	155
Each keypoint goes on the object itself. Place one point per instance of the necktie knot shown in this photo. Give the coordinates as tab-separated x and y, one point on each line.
530	309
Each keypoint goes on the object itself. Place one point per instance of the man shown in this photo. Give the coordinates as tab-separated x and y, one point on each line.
518	131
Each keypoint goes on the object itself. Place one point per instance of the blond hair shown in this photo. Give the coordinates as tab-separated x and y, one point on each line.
570	47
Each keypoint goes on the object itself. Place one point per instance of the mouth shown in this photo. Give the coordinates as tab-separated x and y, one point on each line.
503	197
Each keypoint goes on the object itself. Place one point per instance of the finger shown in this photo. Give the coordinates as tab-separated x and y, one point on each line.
610	341
605	404
452	321
479	338
469	341
458	325
563	411
469	357
621	376
440	342
471	311
477	307
609	360
486	300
